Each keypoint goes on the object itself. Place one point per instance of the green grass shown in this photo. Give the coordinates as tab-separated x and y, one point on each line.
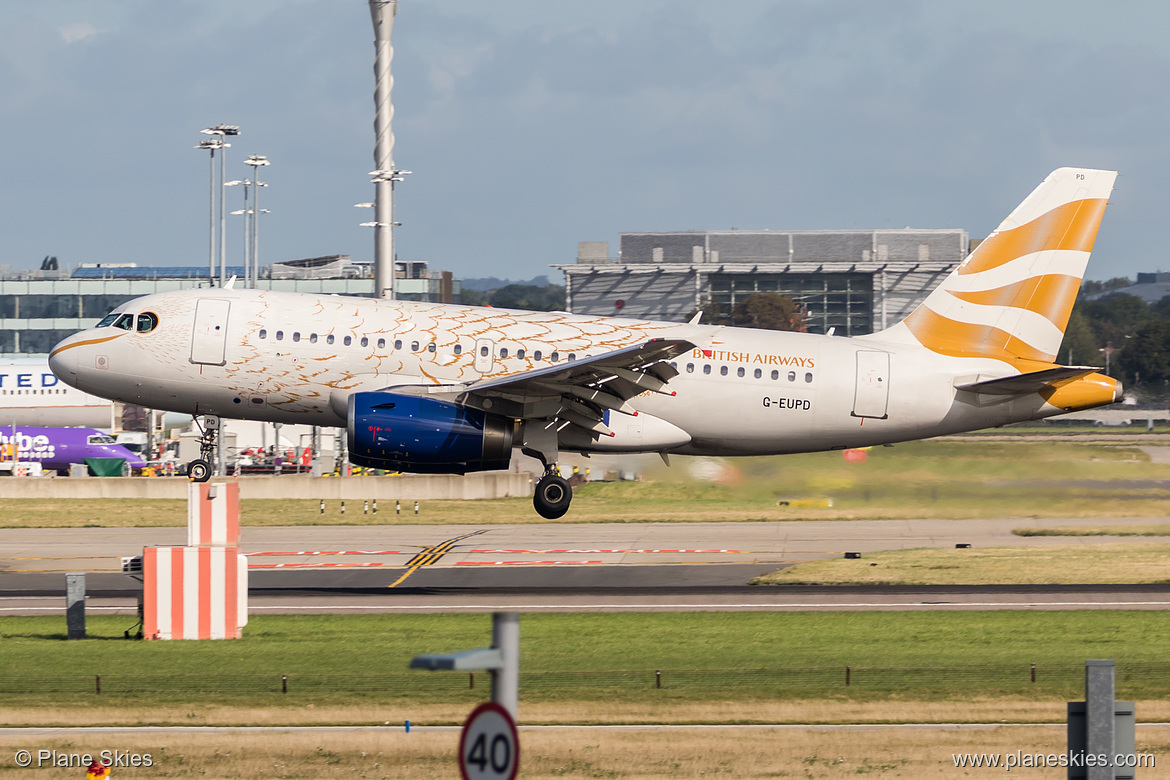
1157	529
595	658
937	478
1098	564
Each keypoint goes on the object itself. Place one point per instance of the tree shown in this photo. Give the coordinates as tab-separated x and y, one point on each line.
768	311
1145	360
1079	347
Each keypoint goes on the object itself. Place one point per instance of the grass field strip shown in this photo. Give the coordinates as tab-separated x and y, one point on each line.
41	731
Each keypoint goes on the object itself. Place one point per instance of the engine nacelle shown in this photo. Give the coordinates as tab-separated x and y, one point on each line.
424	435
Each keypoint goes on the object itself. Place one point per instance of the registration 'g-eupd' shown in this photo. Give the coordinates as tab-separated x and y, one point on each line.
426	387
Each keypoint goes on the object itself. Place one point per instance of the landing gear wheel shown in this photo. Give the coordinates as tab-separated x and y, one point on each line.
552	497
199	470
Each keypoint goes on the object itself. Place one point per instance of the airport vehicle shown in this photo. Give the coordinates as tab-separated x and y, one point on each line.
57	448
428	387
30	394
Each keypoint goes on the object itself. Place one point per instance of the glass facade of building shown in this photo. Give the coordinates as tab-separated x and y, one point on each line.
843	301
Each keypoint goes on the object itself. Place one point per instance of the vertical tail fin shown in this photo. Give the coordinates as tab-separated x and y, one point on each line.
1012	297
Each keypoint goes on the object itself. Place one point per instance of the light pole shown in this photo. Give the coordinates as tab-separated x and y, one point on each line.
212	144
256	161
221	131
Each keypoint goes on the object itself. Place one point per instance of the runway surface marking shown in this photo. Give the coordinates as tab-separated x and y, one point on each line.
321	565
525	563
578	552
329	552
430	555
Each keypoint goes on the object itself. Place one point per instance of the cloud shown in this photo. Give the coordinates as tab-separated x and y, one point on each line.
78	31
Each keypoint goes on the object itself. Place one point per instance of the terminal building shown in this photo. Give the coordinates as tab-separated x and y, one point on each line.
38	308
853	281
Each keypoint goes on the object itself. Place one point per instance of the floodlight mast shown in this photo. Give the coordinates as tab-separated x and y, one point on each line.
221	131
382	14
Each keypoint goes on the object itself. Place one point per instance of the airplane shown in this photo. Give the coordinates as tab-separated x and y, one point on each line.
442	388
56	448
30	394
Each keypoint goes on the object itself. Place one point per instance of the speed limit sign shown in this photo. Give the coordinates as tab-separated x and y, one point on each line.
489	747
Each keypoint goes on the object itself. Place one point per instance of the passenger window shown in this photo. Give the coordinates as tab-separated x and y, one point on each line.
536	355
347	340
263	333
483	351
397	343
365	342
808	377
791	376
414	346
458	350
147	321
431	347
759	373
124	322
313	338
107	321
554	357
572	356
296	335
775	374
280	335
503	352
690	368
722	370
740	371
329	339
381	343
520	353
706	368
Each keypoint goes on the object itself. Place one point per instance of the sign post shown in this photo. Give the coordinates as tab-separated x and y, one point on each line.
489	746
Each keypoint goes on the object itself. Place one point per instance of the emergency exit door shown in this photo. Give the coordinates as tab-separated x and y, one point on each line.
873	384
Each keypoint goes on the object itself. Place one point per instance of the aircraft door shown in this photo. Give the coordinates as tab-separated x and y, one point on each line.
873	384
209	336
485	355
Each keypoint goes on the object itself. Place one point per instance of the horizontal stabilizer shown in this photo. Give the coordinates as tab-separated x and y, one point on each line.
1022	384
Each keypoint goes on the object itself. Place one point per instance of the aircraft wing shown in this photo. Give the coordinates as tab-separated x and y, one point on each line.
577	392
1022	384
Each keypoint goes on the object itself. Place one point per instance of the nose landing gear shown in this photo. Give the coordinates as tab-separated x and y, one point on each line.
200	469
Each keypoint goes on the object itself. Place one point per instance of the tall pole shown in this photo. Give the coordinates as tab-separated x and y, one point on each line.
211	224
382	13
257	161
222	223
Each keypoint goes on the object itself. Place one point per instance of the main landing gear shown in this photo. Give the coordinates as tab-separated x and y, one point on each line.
553	495
199	470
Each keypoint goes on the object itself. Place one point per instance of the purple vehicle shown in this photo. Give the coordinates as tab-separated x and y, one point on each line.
57	448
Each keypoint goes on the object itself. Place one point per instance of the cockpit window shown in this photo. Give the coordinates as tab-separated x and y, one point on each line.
100	439
125	322
107	320
147	321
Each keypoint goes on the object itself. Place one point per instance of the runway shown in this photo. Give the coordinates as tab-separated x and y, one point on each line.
547	567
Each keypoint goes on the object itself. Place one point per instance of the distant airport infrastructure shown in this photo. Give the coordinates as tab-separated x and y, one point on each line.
852	281
40	307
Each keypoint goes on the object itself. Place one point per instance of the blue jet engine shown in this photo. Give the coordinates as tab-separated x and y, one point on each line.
425	435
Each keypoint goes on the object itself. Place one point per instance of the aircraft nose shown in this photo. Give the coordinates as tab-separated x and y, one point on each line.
63	363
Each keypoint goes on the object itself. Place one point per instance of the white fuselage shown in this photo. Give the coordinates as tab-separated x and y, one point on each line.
295	358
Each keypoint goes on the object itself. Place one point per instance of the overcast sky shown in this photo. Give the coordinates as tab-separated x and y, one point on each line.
531	125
